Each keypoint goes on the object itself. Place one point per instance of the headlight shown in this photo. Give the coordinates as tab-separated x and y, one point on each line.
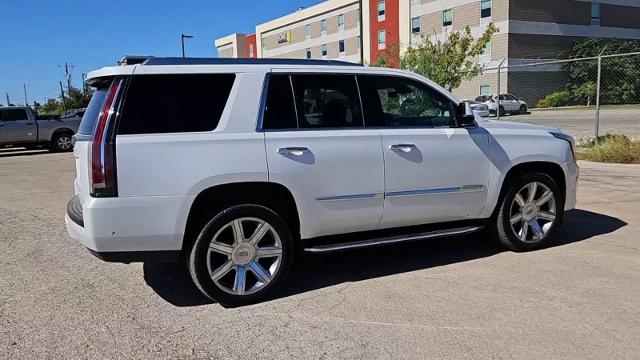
567	138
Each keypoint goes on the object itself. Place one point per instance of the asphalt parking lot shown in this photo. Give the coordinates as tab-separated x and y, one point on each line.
448	298
581	123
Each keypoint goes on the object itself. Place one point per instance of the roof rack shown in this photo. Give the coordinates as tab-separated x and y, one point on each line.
242	61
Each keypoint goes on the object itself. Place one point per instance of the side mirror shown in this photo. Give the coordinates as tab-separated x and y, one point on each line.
466	117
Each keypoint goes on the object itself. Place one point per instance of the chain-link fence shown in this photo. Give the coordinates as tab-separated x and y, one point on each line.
587	96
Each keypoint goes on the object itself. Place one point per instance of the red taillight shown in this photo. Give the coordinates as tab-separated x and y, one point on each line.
102	154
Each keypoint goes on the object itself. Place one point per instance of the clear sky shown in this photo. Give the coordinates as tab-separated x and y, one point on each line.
38	36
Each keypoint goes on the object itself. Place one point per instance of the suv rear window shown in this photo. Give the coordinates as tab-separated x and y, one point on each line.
174	103
93	111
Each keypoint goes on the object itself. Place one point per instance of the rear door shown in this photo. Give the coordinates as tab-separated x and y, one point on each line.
17	127
318	148
434	171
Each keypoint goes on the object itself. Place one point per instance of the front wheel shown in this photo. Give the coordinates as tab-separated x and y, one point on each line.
523	109
241	256
530	213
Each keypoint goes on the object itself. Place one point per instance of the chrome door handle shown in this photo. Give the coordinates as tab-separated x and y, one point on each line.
294	150
403	147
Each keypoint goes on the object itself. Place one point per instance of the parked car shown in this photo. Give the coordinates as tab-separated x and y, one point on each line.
19	126
298	155
509	104
479	108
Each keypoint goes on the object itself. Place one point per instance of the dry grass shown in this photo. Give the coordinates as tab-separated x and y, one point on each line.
612	149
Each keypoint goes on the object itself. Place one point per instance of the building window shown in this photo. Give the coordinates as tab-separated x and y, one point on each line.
323	49
415	25
323	26
307	31
595	13
341	21
341	47
382	39
485	9
485	90
250	50
381	10
447	17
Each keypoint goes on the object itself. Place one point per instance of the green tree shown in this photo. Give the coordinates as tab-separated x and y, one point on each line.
448	62
51	107
620	75
586	91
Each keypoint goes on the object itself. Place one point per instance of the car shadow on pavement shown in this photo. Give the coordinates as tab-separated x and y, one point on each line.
311	272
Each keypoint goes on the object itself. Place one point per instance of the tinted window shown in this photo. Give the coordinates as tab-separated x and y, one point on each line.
391	101
13	114
327	101
279	111
174	103
90	116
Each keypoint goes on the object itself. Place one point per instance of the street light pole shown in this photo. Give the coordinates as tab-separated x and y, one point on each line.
182	37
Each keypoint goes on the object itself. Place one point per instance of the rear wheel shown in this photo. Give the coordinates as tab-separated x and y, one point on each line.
530	213
241	256
502	112
61	142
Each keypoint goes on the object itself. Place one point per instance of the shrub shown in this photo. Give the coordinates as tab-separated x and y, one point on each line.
612	149
560	98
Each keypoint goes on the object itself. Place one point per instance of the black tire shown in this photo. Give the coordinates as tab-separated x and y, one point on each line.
523	109
199	257
502	112
61	142
501	226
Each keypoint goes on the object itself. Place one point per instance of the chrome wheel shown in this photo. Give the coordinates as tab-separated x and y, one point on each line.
64	143
533	212
244	256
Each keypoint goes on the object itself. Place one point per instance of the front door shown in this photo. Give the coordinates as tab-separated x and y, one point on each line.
318	148
434	171
17	127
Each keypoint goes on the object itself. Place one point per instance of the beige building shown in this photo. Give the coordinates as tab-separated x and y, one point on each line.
361	30
530	31
328	30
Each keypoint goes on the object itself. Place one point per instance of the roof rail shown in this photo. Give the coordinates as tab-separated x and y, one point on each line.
242	61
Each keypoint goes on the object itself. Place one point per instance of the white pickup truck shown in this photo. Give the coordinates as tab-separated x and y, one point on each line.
282	156
20	126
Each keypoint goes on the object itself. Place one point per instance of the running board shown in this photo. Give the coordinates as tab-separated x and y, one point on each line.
393	239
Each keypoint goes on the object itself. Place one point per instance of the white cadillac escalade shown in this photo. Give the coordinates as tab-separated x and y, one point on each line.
238	166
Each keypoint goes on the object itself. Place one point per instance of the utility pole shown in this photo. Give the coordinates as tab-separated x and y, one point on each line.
24	87
182	37
598	94
498	102
64	101
67	75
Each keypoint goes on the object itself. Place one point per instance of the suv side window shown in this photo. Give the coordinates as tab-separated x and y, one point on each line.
174	103
399	102
13	114
279	110
327	101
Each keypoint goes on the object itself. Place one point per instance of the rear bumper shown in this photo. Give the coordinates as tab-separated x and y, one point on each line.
129	229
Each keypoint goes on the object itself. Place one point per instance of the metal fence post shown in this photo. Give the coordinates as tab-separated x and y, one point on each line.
598	94
498	102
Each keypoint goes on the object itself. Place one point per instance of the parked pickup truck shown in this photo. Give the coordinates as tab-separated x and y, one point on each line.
19	126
